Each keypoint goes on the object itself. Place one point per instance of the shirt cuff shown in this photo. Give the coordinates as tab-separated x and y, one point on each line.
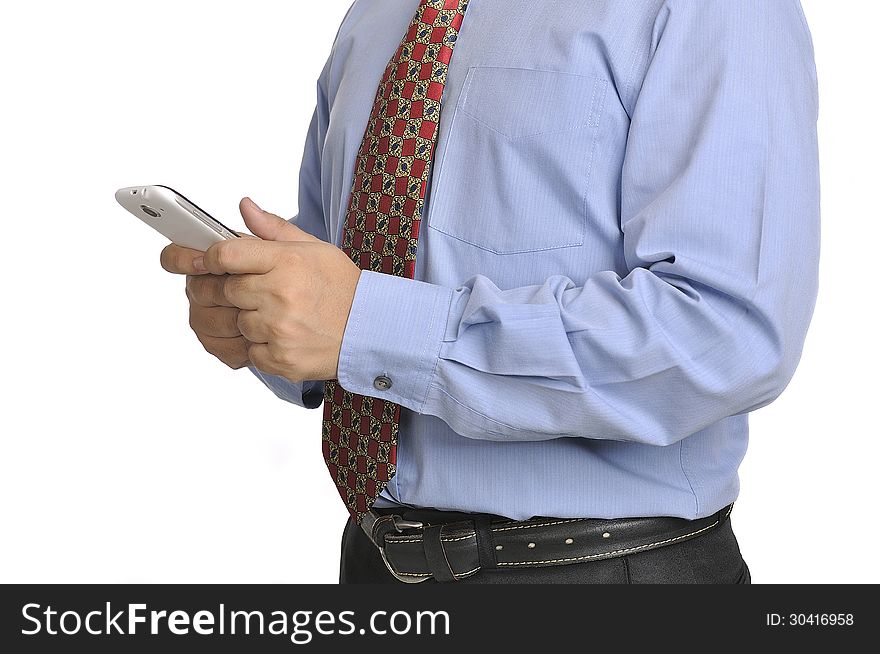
308	394
395	328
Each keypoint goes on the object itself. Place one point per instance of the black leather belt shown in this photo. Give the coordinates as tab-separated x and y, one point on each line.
414	550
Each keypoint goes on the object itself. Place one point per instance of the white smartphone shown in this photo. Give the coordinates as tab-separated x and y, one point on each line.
172	215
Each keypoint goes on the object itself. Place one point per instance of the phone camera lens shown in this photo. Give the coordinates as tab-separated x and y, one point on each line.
149	211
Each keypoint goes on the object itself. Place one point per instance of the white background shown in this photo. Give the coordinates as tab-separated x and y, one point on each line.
131	455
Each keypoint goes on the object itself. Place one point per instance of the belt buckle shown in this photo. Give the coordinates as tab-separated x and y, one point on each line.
369	524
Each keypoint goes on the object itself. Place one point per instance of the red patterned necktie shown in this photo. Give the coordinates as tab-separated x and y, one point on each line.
381	233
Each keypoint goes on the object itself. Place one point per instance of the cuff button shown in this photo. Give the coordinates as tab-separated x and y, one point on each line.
382	383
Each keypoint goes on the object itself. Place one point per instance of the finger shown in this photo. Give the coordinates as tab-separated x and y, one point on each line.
207	291
251	325
258	355
242	291
219	322
231	351
241	255
268	226
179	260
245	235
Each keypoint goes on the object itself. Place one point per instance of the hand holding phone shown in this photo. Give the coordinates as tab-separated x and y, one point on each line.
188	226
192	230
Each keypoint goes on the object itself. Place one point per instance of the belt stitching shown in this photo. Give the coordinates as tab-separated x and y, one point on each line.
623	551
423	574
415	539
579	558
540	524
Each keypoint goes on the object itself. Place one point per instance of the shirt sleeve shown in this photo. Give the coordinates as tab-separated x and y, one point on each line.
308	393
720	230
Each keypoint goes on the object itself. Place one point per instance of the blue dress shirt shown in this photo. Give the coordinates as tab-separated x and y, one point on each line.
617	260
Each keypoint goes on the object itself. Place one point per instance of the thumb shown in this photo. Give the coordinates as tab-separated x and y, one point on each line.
268	226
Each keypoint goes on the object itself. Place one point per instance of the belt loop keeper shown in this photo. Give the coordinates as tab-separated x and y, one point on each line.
436	555
485	541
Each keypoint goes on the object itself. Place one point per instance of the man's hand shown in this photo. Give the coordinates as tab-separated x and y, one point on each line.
214	322
293	293
211	317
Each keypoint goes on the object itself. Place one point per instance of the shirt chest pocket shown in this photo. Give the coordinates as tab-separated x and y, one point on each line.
516	167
